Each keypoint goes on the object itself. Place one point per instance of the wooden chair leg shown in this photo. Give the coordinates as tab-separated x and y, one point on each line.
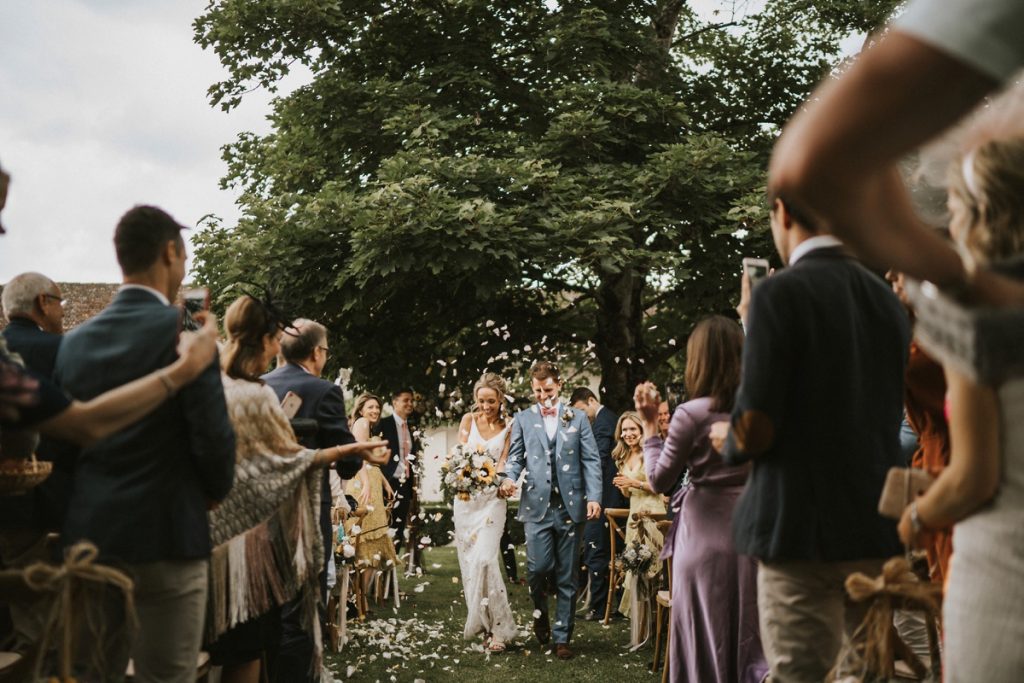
657	639
668	649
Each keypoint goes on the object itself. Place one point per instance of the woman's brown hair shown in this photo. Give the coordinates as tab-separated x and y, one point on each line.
246	323
621	451
714	354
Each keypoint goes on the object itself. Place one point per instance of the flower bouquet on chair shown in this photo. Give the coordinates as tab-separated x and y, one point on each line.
467	472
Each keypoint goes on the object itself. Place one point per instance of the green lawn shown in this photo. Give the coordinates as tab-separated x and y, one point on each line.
423	640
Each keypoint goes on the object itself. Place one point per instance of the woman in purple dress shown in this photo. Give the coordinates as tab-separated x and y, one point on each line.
715	635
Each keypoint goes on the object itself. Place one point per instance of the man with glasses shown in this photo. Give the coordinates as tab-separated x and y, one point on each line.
305	350
35	311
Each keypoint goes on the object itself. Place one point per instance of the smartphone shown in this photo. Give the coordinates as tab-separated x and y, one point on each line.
290	404
193	300
756	269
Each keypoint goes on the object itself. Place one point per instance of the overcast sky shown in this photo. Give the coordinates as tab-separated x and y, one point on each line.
103	106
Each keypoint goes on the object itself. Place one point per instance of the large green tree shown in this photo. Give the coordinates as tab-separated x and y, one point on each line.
469	184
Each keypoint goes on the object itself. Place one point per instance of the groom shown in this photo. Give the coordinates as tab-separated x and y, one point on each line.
555	447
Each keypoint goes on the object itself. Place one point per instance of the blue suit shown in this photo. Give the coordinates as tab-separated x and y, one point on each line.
562	475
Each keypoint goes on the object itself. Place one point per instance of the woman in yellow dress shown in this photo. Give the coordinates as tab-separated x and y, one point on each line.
632	481
369	526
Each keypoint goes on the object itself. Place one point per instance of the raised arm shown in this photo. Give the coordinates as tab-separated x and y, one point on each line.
666	460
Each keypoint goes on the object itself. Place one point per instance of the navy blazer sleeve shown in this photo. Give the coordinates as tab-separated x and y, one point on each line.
210	433
333	431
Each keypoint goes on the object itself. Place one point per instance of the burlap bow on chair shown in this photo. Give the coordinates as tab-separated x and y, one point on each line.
79	587
872	651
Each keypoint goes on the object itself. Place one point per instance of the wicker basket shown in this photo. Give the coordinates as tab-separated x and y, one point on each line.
21	476
983	343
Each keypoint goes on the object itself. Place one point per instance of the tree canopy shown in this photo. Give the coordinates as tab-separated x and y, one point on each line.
466	185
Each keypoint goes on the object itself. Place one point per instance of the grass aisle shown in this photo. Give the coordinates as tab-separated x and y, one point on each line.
423	640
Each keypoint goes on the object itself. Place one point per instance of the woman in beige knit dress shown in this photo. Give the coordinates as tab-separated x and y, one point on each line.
270	511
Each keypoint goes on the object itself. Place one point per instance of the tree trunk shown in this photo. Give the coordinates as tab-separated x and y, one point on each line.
619	338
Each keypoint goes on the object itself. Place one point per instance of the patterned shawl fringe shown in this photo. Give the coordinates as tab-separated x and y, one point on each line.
273	561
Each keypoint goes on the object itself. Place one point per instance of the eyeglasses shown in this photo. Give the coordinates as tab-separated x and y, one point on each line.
324	349
55	298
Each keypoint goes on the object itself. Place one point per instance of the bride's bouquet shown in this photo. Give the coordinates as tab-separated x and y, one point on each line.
466	472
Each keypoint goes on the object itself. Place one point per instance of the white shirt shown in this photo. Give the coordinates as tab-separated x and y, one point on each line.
159	295
551	421
809	245
984	34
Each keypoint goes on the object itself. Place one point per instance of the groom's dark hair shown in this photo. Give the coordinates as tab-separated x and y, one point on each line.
542	369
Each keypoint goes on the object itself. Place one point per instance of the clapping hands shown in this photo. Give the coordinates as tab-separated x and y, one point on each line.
647	399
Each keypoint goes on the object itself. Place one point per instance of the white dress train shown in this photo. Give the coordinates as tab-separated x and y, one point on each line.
479	525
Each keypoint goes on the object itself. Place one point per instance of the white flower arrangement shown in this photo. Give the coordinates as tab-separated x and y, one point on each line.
468	471
637	558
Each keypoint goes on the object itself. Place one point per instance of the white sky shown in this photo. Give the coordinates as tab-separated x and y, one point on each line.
103	106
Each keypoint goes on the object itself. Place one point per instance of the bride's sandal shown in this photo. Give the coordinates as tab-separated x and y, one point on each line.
495	646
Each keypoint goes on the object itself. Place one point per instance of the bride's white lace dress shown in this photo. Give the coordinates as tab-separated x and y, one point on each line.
479	523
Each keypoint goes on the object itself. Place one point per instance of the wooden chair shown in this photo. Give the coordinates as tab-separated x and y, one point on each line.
615	573
663	614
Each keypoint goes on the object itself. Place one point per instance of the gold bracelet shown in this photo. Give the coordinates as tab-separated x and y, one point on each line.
165	379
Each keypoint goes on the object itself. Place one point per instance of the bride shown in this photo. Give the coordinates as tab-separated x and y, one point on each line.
480	521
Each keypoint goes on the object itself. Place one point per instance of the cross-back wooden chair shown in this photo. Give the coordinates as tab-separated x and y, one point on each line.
615	573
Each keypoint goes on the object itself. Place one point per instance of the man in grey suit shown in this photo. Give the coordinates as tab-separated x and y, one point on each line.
554	446
142	494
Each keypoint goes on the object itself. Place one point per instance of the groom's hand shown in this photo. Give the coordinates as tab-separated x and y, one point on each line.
593	510
507	488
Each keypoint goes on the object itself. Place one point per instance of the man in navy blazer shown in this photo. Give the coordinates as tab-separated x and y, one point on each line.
818	412
305	350
142	495
35	313
596	542
400	471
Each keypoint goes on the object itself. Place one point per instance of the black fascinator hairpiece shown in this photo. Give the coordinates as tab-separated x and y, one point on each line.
263	295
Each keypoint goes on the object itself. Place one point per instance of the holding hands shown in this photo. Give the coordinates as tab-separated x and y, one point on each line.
507	489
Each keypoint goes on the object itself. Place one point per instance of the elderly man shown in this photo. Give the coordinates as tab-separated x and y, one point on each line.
304	348
34	308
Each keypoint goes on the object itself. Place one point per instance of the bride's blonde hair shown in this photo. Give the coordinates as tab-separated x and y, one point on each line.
496	383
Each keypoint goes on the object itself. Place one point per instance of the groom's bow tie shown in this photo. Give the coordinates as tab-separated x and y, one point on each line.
548	412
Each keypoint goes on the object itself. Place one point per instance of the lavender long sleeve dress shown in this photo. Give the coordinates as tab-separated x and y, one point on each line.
715	634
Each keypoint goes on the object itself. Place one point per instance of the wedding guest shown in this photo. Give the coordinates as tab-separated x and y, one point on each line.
823	366
924	400
141	496
664	418
715	636
596	539
305	348
981	492
268	513
405	446
375	551
928	70
632	482
35	313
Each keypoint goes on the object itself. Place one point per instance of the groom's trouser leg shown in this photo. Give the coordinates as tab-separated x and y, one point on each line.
596	553
568	538
540	559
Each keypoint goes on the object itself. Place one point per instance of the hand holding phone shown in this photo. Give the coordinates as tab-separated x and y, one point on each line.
290	404
756	269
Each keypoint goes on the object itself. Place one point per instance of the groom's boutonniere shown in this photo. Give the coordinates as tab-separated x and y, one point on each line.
567	416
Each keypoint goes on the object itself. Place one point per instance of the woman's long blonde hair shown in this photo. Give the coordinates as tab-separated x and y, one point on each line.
495	382
357	409
622	451
989	180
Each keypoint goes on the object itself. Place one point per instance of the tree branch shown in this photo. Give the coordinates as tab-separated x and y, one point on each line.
710	27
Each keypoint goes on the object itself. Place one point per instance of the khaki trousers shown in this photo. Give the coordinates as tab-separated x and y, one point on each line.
805	615
170	601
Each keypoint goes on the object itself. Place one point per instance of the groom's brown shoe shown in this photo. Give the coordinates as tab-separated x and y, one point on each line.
542	629
563	652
